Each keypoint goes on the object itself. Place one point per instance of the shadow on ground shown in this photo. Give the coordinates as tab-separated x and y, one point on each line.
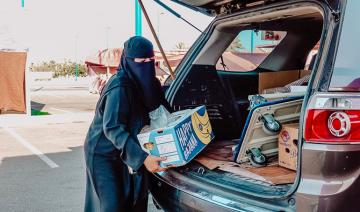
37	105
29	184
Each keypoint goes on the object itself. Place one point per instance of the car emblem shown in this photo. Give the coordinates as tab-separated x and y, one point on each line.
339	124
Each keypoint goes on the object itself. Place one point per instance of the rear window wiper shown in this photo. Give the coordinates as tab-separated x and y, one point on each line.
222	63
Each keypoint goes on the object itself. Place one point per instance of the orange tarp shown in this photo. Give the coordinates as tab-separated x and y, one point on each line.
12	81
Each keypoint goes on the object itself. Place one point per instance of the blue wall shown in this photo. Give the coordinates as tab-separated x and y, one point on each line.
245	40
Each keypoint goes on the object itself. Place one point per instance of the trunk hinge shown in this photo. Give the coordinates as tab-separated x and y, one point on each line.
335	13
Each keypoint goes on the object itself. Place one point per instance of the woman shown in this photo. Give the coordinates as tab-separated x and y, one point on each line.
111	146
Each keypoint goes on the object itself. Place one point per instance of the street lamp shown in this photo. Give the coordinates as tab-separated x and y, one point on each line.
158	22
108	52
107	36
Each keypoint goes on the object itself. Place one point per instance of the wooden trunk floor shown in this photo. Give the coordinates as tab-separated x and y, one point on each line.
219	156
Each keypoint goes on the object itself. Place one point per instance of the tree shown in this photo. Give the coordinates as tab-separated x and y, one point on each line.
67	68
180	45
235	46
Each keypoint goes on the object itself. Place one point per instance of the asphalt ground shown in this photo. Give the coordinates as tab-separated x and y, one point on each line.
41	158
60	100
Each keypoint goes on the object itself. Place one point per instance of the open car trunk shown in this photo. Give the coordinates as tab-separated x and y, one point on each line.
227	161
238	119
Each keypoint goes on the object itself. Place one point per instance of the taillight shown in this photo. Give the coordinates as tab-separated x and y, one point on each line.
333	119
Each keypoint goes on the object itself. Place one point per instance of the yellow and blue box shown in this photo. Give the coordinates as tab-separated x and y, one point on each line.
186	134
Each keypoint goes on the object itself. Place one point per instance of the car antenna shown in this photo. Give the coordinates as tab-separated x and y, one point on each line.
157	40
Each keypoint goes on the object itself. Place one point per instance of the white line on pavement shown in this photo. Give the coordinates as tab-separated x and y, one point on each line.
65	111
33	149
56	95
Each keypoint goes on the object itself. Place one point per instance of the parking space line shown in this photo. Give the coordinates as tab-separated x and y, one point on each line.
56	95
65	111
33	149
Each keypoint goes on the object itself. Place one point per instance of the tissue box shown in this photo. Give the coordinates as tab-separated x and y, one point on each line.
186	134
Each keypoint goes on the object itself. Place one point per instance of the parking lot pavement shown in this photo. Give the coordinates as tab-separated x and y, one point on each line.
27	183
41	158
57	100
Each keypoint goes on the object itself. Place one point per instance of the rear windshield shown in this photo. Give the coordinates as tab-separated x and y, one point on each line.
346	74
249	49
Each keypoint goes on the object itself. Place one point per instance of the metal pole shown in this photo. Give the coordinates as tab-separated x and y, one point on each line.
27	83
76	58
157	40
76	71
158	28
108	52
138	22
252	41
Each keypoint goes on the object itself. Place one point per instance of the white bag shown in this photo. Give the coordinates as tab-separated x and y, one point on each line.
159	117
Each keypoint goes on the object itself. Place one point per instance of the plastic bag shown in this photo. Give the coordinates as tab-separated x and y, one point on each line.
159	117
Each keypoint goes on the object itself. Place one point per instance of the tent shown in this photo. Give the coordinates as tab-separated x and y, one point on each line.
109	59
100	62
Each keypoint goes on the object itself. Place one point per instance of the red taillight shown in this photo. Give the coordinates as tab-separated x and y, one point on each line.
332	126
333	120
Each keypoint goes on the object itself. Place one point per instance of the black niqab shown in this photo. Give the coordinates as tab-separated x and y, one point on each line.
142	74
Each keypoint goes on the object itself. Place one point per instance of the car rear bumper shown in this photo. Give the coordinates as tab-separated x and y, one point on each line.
170	198
329	182
175	192
329	178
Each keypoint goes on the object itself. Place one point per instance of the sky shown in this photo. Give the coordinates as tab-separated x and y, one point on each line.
74	29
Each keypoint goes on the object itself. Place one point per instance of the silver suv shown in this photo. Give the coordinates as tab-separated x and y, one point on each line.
240	170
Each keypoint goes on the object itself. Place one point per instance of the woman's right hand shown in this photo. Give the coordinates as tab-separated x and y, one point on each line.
152	163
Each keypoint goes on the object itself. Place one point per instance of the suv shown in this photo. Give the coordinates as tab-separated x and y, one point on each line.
239	170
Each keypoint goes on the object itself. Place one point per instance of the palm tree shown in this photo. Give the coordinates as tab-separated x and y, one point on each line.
235	46
180	45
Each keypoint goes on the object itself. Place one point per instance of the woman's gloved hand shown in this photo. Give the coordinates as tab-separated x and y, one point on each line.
152	163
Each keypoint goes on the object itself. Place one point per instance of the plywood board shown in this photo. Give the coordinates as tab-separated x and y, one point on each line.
210	163
218	155
272	173
275	174
277	79
304	73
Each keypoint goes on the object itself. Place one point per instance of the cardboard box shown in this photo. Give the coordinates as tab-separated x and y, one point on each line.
186	134
275	79
288	146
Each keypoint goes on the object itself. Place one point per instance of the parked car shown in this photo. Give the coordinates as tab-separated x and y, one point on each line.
225	178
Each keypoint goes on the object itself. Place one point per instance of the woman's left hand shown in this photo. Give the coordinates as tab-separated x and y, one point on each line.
152	164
